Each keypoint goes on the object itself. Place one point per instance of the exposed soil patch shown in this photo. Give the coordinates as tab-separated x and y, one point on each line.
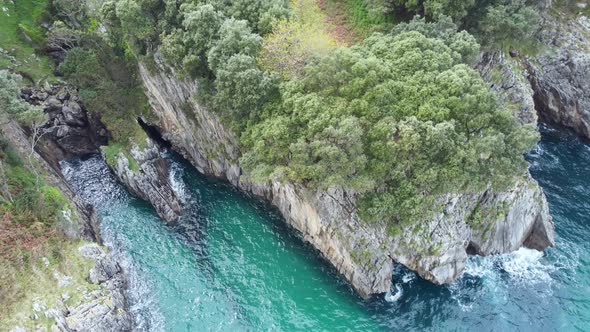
338	23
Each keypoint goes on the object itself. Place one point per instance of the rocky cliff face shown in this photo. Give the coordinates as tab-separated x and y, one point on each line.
104	309
149	179
69	130
560	76
483	223
508	77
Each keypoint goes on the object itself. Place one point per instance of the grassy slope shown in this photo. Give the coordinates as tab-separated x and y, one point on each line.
19	34
54	274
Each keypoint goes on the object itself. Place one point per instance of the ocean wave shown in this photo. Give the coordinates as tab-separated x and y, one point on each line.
177	182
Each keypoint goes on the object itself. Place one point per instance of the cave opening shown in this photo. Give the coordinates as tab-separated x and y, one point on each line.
154	133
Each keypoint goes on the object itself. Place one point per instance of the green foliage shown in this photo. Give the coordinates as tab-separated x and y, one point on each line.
259	13
457	9
444	29
376	8
112	152
9	154
570	8
189	46
235	37
32	202
11	104
135	21
367	15
508	22
73	12
20	35
242	87
399	118
109	86
296	40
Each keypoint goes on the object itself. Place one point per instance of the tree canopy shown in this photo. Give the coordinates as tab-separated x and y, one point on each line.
400	118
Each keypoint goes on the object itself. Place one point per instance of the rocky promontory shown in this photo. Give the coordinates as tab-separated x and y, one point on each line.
364	254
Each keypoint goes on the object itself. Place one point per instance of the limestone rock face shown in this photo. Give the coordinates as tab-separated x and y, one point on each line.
364	254
560	76
508	77
151	180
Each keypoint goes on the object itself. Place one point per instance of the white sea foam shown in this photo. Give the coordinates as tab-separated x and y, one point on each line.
495	277
408	277
177	183
389	297
522	266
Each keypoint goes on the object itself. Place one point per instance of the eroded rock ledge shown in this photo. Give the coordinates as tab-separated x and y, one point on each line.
362	253
104	309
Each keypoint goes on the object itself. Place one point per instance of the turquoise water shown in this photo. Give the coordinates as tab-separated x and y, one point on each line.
231	264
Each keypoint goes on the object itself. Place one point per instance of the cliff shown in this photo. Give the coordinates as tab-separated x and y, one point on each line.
149	178
93	299
481	223
560	75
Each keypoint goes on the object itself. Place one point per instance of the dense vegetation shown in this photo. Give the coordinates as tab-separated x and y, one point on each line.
400	118
496	23
24	197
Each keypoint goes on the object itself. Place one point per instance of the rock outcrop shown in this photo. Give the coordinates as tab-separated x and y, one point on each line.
560	76
103	309
328	219
69	130
508	77
149	179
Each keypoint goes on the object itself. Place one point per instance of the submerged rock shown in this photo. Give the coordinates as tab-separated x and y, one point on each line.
328	219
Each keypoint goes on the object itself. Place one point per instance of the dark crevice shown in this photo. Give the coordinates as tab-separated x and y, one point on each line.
154	133
472	249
